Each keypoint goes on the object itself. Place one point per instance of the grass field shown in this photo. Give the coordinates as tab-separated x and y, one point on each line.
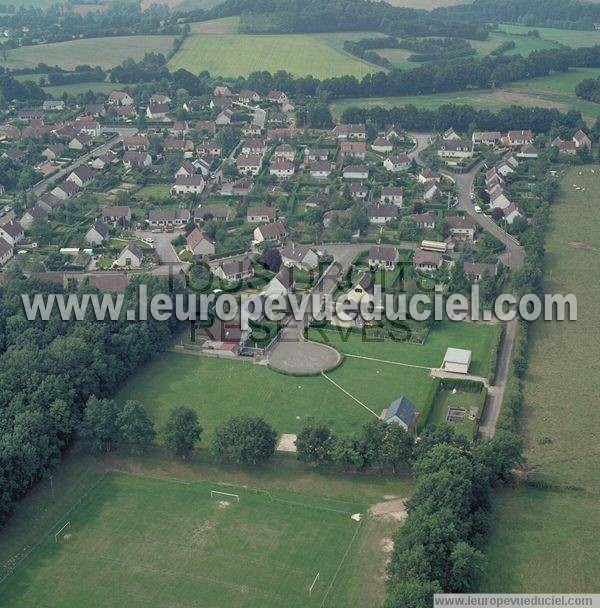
464	400
163	542
556	90
562	391
105	52
545	540
84	87
239	55
572	38
476	337
218	389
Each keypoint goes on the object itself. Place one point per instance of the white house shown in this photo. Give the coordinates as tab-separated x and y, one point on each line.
188	184
300	256
132	257
6	252
397	163
65	190
97	234
320	170
382	214
356	172
281	284
258	215
198	244
455	148
82	176
282	168
383	257
382	145
392	194
363	289
235	270
249	164
270	233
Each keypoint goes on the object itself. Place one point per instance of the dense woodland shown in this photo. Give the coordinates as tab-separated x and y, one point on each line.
49	370
568	14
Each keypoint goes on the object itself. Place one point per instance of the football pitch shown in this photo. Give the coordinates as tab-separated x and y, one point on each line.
141	541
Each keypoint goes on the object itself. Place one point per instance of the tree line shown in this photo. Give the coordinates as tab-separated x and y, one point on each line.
569	14
465	118
49	370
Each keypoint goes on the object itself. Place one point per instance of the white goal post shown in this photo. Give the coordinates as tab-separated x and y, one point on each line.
67	525
214	493
310	589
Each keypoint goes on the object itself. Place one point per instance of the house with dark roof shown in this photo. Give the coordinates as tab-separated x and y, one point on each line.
364	288
131	256
232	271
169	217
6	251
82	176
281	284
270	233
116	213
462	228
383	257
401	411
97	234
299	256
382	214
198	244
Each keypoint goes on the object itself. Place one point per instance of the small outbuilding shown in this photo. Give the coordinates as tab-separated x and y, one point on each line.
457	361
402	411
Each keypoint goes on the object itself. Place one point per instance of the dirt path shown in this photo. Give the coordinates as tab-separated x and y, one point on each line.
392	508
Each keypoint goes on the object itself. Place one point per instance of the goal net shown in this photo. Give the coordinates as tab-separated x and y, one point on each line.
224	496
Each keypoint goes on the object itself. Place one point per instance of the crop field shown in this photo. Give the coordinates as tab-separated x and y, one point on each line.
105	52
165	543
554	91
239	55
543	539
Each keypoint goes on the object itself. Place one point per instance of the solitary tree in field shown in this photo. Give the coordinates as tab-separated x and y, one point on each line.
181	431
315	444
99	425
245	440
135	427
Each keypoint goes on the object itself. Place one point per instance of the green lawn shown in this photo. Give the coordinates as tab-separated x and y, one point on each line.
218	389
105	52
543	541
239	55
160	542
154	190
226	25
475	337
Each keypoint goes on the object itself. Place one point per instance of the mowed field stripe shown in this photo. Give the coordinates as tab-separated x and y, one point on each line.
390	362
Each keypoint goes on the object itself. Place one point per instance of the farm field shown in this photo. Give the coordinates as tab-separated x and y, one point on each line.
160	542
542	539
572	38
551	409
105	52
226	25
240	55
556	90
559	419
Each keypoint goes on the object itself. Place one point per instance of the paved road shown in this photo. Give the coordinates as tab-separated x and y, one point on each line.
515	254
41	187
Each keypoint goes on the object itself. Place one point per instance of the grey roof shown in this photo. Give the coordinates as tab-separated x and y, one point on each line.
404	409
5	247
383	253
285	276
233	267
12	228
100	228
135	250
